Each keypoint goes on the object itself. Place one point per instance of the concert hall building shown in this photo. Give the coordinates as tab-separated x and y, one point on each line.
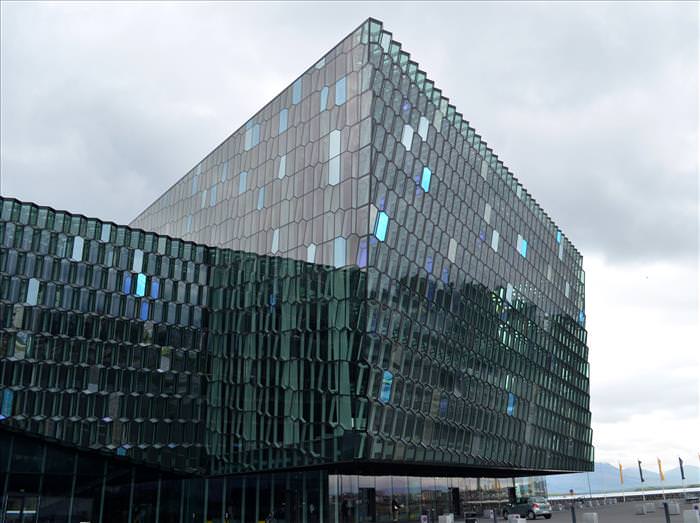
349	311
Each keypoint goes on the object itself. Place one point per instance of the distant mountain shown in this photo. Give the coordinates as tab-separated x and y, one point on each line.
606	478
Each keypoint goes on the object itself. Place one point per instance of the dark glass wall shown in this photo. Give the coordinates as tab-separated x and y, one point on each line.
46	483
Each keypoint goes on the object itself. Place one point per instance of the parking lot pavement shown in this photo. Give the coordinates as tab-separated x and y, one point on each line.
620	513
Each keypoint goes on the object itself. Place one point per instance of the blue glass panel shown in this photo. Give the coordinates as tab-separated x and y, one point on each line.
126	287
430	290
324	98
362	253
443	407
143	313
425	179
381	225
155	285
523	247
581	317
7	397
429	264
511	404
296	92
141	285
242	182
121	451
340	91
385	391
284	113
558	236
445	275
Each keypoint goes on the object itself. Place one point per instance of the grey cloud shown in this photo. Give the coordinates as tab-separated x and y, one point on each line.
592	106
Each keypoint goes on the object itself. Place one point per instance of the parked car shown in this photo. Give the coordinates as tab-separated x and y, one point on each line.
530	508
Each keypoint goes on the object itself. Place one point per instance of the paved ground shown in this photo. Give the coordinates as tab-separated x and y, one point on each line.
620	513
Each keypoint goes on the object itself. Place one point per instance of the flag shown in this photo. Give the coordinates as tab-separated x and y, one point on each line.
680	462
622	480
641	476
661	470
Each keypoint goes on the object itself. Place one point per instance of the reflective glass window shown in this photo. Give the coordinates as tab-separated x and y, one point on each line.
425	179
296	91
7	400
334	144
212	195
155	286
106	229
362	253
494	240
311	253
32	291
339	245
282	167
140	285
340	91
137	265
385	390
324	98
252	136
380	225
423	128
407	136
77	248
487	213
334	171
511	404
261	198
242	182
126	286
143	311
284	113
275	240
452	250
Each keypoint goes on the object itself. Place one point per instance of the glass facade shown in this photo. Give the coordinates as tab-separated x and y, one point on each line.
349	311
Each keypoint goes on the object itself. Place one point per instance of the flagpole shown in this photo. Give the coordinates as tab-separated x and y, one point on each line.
622	481
680	462
641	476
662	478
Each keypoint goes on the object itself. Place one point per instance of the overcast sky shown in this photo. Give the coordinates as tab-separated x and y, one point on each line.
594	107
